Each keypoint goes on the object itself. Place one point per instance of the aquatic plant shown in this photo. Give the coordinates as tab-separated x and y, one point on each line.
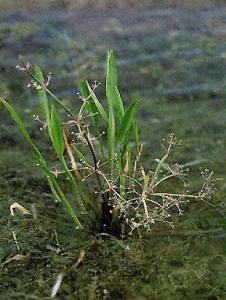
99	178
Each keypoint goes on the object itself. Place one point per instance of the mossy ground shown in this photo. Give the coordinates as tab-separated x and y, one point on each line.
159	64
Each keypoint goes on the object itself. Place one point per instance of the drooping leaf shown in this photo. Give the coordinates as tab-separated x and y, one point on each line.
58	193
19	123
40	159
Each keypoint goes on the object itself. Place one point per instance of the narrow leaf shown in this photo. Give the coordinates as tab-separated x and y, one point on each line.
70	154
43	100
111	74
111	139
94	104
126	123
118	104
135	136
56	132
58	192
112	93
19	123
111	83
97	103
90	105
40	159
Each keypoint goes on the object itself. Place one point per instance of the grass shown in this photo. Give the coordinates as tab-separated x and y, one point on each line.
61	140
175	251
188	262
124	194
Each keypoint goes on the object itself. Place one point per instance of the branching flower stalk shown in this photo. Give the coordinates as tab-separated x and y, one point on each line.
109	187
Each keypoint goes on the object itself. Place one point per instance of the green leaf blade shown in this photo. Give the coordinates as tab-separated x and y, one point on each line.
118	104
126	124
112	92
111	73
136	136
111	140
56	132
19	123
40	159
91	107
43	100
94	105
58	193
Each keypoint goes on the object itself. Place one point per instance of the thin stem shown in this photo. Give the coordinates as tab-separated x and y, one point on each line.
161	162
89	143
177	195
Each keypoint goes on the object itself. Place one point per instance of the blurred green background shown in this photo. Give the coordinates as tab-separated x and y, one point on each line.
104	4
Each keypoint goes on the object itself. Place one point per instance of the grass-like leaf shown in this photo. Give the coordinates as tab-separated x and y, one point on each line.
56	132
111	83
94	104
40	159
90	105
112	93
57	192
111	139
118	104
126	124
20	124
111	74
136	136
102	188
43	100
